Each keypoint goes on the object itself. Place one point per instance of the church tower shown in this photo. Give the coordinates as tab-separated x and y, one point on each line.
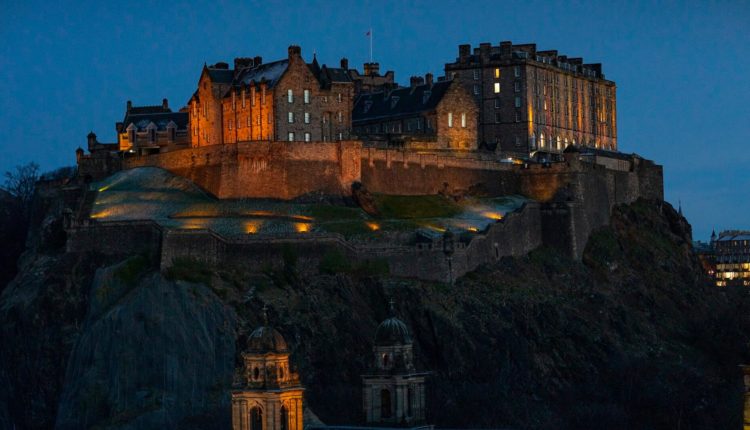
393	393
268	395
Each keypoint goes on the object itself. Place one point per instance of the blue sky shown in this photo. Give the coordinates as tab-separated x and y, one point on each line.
681	69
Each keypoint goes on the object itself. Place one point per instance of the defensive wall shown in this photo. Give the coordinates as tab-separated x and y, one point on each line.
516	234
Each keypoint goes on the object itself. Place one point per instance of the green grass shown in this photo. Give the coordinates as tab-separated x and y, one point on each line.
190	270
409	207
132	269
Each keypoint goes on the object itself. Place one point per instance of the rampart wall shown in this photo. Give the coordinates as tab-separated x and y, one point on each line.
282	170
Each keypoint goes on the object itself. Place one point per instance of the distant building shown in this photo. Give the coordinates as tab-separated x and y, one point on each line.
151	129
371	80
439	112
286	100
394	391
536	103
732	257
268	395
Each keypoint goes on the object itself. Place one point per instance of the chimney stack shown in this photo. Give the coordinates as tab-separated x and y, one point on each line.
345	64
257	61
464	51
129	106
372	69
294	51
428	79
415	80
165	104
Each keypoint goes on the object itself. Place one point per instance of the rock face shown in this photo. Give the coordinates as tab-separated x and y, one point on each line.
633	335
154	354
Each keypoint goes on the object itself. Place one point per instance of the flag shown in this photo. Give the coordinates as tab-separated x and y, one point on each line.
368	33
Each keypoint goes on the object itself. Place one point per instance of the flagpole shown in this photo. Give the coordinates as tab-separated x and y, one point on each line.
371	44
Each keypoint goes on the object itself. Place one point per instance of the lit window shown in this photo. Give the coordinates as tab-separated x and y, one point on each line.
497	73
559	143
307	117
517	71
450	119
290	117
307	137
497	87
339	97
290	136
476	89
307	96
341	136
541	140
341	117
463	120
230	124
289	96
476	74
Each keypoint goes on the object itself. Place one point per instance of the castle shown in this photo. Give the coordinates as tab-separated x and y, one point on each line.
505	120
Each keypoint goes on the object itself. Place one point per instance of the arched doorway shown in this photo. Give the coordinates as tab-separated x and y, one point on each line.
284	418
385	404
256	418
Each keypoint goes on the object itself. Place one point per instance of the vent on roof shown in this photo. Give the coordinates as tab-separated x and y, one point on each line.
394	101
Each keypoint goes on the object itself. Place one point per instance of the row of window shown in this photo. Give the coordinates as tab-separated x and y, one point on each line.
291	136
306	96
290	117
450	120
516	72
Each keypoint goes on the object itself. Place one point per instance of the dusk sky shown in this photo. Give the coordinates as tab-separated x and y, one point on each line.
682	70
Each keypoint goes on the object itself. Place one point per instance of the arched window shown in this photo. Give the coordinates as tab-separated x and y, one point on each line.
256	418
284	418
385	403
386	360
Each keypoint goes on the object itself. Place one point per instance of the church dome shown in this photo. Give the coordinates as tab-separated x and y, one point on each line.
266	339
392	331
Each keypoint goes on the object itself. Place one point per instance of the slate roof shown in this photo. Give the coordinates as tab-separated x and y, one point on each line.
160	119
334	74
589	151
270	72
221	76
726	237
400	102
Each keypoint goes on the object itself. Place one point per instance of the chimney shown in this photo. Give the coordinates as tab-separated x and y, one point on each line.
428	79
506	48
345	64
484	51
294	51
165	104
128	106
372	69
221	65
415	80
91	140
464	51
242	62
257	61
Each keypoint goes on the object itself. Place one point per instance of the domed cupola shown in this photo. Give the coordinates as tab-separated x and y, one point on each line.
265	339
392	332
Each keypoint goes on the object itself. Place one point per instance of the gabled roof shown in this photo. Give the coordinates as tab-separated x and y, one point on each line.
269	72
334	74
400	102
220	76
160	119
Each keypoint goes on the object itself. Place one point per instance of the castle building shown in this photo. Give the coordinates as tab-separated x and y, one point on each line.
370	80
536	103
268	395
286	100
152	129
731	257
442	113
393	393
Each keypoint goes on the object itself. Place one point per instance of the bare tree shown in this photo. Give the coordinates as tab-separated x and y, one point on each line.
21	183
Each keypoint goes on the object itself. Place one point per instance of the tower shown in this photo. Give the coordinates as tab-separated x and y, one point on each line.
393	392
268	395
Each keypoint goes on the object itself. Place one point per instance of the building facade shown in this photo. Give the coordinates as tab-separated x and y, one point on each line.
148	129
536	103
441	115
393	394
287	100
732	258
268	395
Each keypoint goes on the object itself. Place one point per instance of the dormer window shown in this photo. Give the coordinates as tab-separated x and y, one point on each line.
151	129
171	131
131	134
394	101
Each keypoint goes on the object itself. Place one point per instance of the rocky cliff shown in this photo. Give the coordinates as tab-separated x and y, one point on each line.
633	336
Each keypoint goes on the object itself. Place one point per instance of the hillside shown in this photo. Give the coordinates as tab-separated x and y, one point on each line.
632	336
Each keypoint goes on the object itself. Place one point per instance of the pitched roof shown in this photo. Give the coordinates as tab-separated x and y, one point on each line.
334	74
160	119
221	76
270	72
399	102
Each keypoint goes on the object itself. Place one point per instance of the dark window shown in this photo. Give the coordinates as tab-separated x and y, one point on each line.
256	373
256	419
284	424
385	404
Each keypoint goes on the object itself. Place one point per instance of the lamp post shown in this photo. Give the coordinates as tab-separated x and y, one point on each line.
448	249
